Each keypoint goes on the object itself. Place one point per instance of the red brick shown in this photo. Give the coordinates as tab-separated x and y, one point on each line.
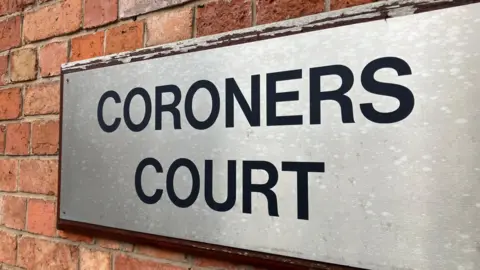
41	217
169	26
94	260
269	11
34	253
160	253
100	12
23	66
51	57
339	4
8	247
4	70
42	99
53	20
10	33
10	103
14	210
113	244
126	37
206	262
45	137
11	6
8	174
88	46
123	262
38	176
17	139
75	237
223	16
3	131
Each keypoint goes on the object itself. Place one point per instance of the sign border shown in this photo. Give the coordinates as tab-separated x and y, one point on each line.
365	13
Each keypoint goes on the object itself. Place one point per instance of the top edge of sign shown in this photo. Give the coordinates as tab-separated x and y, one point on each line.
369	12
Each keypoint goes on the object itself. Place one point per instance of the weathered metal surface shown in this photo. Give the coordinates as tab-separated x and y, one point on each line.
381	10
393	196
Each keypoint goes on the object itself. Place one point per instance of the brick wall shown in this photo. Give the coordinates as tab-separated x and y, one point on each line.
36	37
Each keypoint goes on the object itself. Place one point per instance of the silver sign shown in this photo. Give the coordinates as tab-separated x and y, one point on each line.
357	145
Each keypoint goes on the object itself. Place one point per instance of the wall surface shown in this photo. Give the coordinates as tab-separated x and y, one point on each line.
36	37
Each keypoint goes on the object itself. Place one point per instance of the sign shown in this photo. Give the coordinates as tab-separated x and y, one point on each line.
357	145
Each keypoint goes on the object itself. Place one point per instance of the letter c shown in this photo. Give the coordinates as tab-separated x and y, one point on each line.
138	181
101	121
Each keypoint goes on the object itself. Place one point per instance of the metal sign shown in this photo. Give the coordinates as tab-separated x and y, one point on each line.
356	145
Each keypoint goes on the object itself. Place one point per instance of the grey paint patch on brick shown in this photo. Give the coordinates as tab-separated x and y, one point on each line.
130	8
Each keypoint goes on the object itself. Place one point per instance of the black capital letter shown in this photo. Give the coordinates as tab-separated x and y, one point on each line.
302	169
101	102
233	92
403	94
148	109
187	202
265	189
210	87
231	187
138	181
316	94
172	107
273	97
